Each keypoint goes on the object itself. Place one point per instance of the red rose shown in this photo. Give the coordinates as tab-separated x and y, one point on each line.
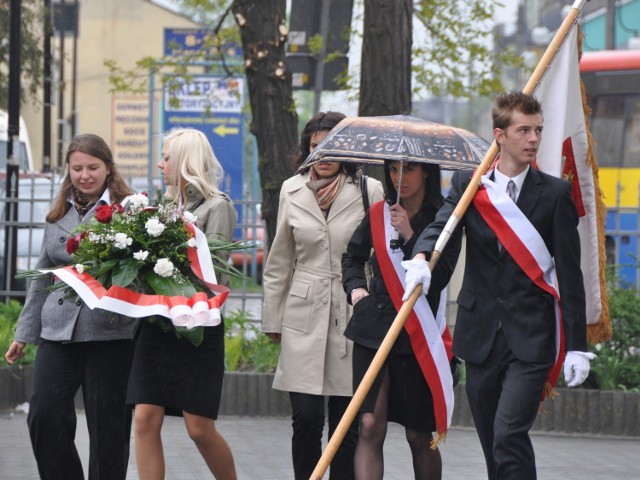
104	213
117	208
72	244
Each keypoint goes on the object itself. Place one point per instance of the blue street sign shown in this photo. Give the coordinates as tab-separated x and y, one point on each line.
182	40
212	104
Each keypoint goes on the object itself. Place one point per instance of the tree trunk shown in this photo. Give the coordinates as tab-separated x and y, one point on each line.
385	77
274	119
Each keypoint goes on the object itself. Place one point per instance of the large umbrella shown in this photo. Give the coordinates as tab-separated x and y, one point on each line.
399	137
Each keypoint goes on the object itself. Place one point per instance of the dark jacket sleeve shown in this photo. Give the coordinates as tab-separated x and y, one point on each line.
565	246
427	239
357	254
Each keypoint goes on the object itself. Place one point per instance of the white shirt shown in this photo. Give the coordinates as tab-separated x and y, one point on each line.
501	180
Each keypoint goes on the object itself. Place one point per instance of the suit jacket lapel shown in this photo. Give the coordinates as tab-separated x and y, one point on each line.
531	192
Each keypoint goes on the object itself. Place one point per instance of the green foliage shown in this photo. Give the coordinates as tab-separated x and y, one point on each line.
617	365
9	313
30	49
246	347
458	56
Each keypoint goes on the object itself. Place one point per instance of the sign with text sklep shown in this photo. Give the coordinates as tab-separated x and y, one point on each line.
212	104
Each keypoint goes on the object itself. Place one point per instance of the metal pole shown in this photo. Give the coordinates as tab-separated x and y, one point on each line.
61	88
152	86
46	111
74	74
13	148
319	81
611	25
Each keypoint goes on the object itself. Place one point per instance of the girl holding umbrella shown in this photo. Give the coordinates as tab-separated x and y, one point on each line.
305	309
400	392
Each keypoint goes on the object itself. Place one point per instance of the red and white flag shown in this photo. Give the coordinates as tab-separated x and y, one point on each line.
566	151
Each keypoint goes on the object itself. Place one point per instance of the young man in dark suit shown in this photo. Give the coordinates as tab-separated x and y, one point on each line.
506	322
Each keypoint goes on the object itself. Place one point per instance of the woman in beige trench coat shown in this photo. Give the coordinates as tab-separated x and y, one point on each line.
305	307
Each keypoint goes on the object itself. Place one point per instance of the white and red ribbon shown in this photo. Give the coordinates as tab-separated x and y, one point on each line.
523	242
199	310
429	335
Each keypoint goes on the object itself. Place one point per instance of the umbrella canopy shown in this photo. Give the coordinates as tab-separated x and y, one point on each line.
399	137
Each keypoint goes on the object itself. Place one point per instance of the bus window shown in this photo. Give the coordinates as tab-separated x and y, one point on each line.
631	153
607	127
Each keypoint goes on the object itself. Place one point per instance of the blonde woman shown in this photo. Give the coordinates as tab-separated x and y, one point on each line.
305	309
171	376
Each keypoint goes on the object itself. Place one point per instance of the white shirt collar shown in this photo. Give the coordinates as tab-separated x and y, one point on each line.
501	180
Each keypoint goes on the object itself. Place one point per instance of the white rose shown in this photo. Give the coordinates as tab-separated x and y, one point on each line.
192	243
139	201
164	267
154	227
79	267
189	217
141	255
121	241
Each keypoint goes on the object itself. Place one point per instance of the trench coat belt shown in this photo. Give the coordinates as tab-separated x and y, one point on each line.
317	271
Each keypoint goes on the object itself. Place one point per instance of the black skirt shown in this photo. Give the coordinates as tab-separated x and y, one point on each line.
173	373
410	400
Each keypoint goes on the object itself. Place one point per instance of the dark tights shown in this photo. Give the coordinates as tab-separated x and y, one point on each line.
369	461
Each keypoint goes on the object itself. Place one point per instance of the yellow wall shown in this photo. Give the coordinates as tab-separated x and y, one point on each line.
620	186
123	30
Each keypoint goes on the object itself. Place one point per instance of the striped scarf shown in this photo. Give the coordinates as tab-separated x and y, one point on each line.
325	189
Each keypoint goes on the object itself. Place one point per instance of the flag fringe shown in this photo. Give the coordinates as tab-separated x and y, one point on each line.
440	438
601	331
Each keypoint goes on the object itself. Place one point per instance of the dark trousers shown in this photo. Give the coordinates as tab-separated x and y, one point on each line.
102	370
504	396
306	445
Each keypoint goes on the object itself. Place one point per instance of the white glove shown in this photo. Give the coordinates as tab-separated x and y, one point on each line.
576	367
417	272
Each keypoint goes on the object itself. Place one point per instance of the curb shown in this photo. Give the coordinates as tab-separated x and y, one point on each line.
573	411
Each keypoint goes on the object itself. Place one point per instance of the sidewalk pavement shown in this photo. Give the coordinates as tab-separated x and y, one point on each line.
261	447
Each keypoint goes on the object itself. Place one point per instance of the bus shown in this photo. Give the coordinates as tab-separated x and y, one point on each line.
612	82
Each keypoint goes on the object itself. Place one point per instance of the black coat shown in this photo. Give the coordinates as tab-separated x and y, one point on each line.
495	290
373	315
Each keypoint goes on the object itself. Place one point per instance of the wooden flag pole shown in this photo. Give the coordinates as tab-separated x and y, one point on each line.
461	208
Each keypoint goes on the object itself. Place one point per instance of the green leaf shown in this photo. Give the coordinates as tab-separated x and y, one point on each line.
105	266
125	272
168	285
194	335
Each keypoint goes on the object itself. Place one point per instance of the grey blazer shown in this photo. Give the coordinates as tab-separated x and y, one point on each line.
51	316
216	218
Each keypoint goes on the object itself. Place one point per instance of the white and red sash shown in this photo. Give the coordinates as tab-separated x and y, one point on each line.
523	242
430	337
198	310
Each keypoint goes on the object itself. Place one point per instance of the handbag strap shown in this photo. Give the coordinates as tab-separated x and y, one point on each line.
365	193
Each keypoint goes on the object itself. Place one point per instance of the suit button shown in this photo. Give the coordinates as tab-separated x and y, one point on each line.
499	300
325	300
79	302
60	301
380	306
325	282
63	240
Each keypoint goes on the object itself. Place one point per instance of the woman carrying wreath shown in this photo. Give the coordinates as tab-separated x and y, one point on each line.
171	376
77	346
305	309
